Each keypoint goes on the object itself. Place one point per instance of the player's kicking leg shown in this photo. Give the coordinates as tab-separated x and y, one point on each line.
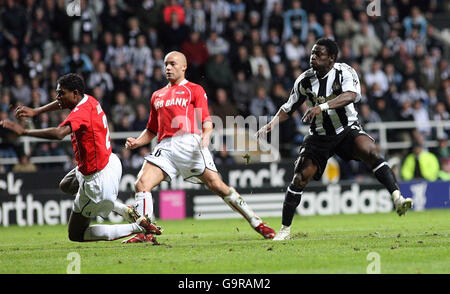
212	180
149	177
80	231
303	173
365	150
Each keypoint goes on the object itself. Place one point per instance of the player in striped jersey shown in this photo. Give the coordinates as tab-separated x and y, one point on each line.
330	90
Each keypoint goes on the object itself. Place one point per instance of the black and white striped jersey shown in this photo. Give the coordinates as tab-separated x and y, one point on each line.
308	87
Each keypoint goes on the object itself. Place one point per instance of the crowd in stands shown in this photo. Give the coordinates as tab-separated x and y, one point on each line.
246	54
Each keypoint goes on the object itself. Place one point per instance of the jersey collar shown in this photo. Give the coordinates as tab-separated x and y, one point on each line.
85	98
334	66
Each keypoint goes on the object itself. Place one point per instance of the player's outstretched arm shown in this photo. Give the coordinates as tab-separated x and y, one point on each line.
144	138
279	117
25	111
50	133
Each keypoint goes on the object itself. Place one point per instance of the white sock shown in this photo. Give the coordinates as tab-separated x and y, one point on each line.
396	195
120	208
144	204
238	204
111	232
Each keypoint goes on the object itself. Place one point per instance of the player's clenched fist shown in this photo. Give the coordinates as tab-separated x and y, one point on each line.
24	111
131	143
15	127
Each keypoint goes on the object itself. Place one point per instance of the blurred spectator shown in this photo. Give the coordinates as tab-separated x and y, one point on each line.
413	41
133	31
261	104
121	108
197	55
35	65
113	17
346	26
125	158
365	38
242	62
280	76
276	18
142	114
443	150
57	64
40	29
24	165
14	65
119	55
421	118
293	49
15	26
393	77
20	90
174	33
218	73
376	75
137	159
101	78
259	63
121	81
441	114
223	107
173	8
416	21
35	85
198	20
314	26
145	84
429	74
150	14
223	157
141	57
219	14
158	79
295	22
413	93
216	44
420	164
78	62
242	93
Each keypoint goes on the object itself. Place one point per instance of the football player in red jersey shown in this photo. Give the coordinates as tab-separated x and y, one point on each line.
182	149
98	170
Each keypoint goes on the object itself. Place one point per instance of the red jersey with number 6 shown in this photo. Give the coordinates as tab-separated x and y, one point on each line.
90	135
177	110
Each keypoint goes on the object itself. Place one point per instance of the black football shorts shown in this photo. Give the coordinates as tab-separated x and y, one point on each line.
319	147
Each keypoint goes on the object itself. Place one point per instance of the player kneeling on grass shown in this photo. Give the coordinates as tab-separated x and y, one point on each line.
329	90
181	150
98	170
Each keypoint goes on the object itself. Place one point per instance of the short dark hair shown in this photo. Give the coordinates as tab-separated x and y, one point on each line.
72	82
332	47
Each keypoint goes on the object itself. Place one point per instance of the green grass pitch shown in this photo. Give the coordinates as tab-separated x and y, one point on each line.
417	243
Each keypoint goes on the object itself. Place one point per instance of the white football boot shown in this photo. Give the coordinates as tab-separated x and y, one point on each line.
401	204
283	234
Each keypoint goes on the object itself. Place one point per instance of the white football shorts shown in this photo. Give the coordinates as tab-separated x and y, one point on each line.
182	155
98	191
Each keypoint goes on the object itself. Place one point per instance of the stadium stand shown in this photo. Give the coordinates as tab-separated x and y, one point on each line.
246	54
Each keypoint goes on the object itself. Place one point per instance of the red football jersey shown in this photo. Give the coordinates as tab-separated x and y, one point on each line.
90	135
177	110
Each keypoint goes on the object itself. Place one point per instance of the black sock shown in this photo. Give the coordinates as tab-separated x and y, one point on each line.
385	175
291	201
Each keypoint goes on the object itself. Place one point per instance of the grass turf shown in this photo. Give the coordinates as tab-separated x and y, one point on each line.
339	244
